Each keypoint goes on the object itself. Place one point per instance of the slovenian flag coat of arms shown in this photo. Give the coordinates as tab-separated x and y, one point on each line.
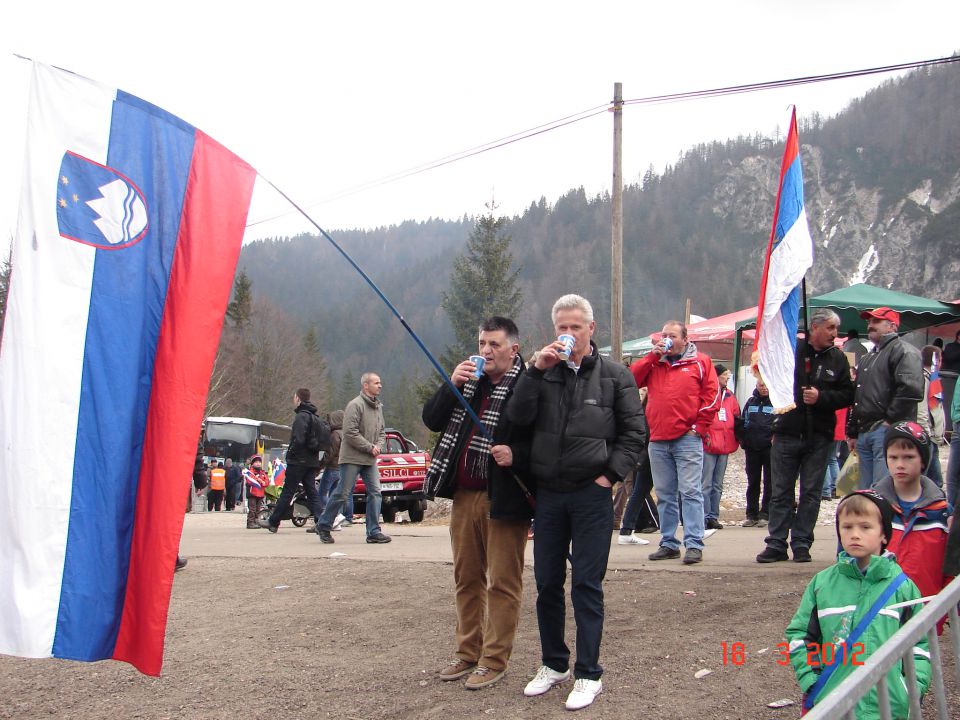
130	227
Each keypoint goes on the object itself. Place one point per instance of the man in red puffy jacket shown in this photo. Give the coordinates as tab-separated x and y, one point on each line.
680	407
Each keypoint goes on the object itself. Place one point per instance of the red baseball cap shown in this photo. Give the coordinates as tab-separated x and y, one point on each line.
882	313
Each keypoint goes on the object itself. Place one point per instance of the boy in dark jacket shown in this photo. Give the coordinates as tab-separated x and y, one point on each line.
754	430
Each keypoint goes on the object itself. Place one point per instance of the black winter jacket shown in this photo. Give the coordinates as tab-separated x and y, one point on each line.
507	500
889	385
297	453
754	428
830	374
585	424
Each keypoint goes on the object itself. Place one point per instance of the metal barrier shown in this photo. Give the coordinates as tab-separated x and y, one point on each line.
842	701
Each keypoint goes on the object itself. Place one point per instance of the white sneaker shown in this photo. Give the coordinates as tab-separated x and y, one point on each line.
708	533
584	693
337	521
545	679
631	540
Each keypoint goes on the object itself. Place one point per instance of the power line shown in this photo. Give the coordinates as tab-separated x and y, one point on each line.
600	109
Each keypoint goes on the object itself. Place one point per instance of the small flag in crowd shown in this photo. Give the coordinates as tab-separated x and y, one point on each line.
789	256
279	473
130	228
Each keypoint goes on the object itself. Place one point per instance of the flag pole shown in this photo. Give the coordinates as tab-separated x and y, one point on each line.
470	411
808	409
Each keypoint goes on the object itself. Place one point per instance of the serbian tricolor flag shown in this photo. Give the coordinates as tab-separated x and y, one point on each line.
129	231
789	256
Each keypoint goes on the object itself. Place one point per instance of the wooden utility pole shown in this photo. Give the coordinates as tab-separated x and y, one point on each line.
616	242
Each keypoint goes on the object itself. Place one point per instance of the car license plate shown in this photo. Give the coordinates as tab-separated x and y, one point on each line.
391	486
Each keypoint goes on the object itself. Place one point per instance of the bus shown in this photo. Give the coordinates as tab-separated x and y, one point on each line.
238	438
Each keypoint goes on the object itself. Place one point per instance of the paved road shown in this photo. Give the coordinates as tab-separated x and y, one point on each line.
225	535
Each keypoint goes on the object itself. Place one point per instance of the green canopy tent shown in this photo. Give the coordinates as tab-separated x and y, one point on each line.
916	312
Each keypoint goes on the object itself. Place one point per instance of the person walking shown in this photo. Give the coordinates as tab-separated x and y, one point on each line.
363	436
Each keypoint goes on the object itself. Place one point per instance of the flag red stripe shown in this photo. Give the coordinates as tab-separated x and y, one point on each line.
208	246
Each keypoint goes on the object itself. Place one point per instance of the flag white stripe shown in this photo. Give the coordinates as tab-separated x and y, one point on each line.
47	308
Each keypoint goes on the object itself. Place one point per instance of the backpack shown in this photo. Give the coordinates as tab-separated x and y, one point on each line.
318	435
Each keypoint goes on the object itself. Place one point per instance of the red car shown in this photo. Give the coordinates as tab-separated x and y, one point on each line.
402	467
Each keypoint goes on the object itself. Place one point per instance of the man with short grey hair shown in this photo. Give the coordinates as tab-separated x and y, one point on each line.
803	439
363	436
588	431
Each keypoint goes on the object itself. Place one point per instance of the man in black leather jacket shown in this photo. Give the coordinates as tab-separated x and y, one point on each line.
588	431
889	386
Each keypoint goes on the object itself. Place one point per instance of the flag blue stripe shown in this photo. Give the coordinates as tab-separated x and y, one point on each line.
791	200
790	313
153	149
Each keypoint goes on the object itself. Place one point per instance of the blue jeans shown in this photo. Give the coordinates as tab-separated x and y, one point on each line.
574	525
953	470
833	472
677	467
872	458
328	482
714	468
348	479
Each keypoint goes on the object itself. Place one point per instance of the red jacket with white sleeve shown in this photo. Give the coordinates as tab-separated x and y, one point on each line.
683	393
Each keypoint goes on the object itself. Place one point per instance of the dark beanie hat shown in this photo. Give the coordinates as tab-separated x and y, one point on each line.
886	512
911	432
720	369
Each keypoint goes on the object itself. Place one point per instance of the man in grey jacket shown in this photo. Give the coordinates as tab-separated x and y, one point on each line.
363	436
889	386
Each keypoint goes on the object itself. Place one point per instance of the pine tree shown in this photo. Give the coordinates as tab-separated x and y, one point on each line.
482	283
238	311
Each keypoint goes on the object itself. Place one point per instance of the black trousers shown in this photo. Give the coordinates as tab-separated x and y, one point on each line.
214	499
758	473
574	525
789	457
641	511
297	475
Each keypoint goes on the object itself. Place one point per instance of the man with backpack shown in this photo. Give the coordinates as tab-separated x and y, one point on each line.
363	436
308	437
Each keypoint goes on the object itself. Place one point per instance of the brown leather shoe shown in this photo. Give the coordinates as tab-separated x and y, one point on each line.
455	670
483	677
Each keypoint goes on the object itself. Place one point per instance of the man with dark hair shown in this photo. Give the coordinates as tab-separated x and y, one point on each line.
889	386
302	462
682	403
803	439
490	515
588	431
363	436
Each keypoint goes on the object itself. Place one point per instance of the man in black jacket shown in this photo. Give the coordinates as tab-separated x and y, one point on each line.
588	432
303	464
803	439
889	386
491	515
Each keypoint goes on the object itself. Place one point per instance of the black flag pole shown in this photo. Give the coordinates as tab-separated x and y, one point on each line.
808	410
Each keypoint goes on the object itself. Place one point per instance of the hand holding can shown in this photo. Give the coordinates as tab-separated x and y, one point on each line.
479	361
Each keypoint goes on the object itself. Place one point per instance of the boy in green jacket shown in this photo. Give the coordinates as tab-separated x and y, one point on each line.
838	598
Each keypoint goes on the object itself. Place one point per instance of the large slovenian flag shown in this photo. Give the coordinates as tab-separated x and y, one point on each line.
789	256
129	232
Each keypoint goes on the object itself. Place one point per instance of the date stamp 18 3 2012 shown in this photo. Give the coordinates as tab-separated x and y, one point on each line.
818	654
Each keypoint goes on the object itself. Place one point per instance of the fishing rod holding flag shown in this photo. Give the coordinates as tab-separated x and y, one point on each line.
483	429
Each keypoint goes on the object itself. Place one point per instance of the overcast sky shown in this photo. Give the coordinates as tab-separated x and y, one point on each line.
323	97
